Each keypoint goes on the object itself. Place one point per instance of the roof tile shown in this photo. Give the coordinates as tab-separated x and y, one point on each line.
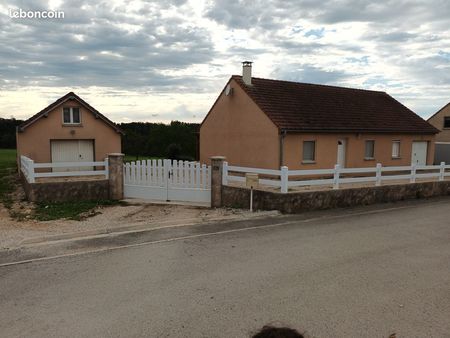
294	106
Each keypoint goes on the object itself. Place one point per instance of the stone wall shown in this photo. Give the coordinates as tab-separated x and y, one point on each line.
297	202
67	191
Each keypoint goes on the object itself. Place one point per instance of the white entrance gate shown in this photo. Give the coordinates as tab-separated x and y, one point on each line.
167	180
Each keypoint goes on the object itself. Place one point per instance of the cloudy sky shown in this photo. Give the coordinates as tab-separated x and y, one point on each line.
163	60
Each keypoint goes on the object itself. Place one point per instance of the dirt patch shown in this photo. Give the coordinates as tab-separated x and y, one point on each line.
18	223
114	218
20	209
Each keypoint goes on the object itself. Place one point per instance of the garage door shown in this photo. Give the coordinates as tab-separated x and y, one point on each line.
72	151
442	153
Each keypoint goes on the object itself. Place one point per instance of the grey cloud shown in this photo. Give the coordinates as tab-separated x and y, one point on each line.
300	48
309	73
240	53
144	44
49	54
247	14
394	37
429	69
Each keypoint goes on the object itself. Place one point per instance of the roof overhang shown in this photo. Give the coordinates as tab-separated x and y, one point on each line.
354	131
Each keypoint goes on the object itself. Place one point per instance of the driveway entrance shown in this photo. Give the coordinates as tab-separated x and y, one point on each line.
167	180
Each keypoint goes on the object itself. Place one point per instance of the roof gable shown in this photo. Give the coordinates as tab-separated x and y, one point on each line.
299	107
230	82
439	111
69	96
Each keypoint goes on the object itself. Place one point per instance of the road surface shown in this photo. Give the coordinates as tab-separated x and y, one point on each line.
366	273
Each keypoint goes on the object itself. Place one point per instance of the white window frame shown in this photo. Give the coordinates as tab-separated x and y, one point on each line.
71	116
314	152
398	155
365	148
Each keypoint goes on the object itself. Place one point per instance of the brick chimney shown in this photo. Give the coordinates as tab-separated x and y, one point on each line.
247	72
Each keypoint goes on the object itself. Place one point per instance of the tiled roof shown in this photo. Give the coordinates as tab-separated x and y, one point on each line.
294	106
61	100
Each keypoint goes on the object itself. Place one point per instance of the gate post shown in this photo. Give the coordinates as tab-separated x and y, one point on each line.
115	176
216	180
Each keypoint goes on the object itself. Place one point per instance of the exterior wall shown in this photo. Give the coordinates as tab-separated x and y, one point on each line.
326	150
237	129
437	121
34	141
67	191
292	203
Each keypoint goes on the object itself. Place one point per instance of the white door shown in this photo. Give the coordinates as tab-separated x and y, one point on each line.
72	151
341	153
419	153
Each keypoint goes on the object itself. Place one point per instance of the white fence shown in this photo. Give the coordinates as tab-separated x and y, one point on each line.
285	178
28	168
168	180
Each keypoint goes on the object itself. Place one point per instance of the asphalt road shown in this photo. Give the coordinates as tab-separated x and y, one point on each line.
370	273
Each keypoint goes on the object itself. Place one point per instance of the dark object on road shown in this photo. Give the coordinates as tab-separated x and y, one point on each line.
277	332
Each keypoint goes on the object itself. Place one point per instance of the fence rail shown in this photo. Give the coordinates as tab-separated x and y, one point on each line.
285	178
28	167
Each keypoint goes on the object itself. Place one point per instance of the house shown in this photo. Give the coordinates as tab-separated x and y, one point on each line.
266	123
441	121
68	130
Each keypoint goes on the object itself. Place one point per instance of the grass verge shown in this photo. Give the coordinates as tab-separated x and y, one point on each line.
75	210
7	172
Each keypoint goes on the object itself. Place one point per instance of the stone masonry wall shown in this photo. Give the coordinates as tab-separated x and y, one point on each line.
67	191
298	202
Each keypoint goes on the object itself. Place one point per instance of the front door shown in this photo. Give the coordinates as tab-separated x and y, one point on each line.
341	153
419	153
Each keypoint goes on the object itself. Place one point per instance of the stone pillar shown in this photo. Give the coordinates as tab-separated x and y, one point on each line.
115	166
216	180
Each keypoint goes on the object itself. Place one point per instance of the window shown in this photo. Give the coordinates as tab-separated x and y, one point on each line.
309	151
395	149
369	152
446	121
71	115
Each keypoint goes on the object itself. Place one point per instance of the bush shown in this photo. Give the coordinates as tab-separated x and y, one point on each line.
173	151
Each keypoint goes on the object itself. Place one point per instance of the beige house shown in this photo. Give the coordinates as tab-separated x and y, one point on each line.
68	130
441	121
269	123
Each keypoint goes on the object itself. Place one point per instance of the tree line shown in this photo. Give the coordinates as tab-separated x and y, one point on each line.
177	140
8	132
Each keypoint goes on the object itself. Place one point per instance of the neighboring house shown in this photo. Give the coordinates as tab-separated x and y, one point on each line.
68	130
268	123
441	121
